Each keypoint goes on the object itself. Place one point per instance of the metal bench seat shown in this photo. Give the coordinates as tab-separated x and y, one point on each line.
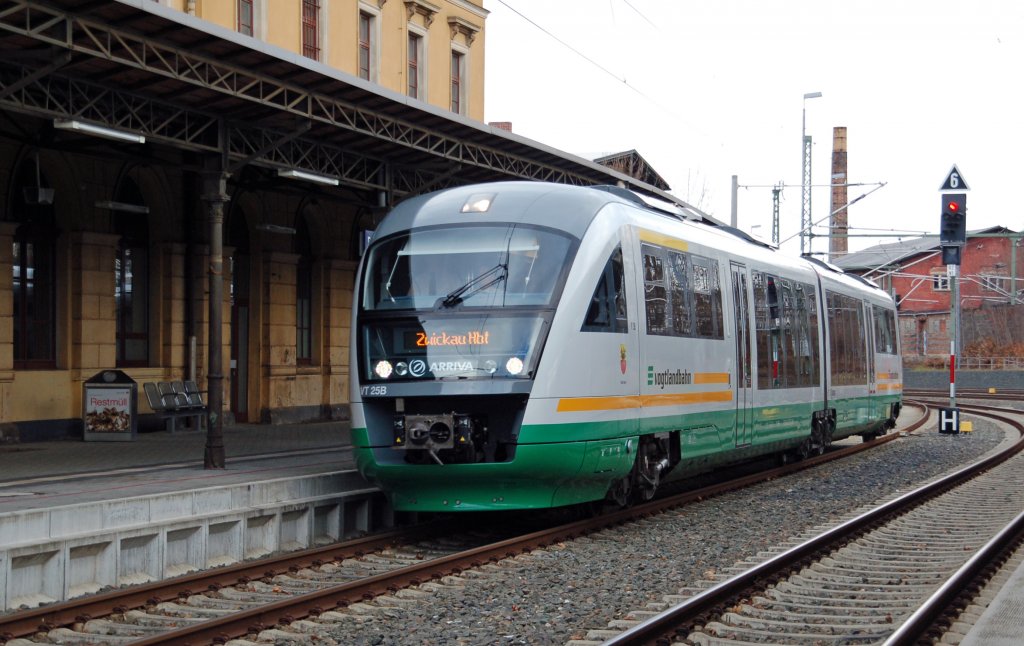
171	400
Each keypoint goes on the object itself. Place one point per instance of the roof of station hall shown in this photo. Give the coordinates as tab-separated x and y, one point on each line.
111	64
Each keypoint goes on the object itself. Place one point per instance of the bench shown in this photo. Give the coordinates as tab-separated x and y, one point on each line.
171	400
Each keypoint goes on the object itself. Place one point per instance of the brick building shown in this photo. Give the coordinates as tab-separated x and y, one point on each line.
914	273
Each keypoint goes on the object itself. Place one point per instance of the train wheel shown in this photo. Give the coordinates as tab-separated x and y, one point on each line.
647	470
804	450
620	490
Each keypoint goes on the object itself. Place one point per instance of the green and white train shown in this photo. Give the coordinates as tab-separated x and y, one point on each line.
527	345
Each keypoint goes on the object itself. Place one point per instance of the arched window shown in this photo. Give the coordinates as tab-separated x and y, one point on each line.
131	286
35	275
303	295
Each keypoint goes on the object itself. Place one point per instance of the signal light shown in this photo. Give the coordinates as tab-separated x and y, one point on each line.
953	221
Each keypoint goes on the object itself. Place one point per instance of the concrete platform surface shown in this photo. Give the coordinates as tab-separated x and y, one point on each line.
1002	623
70	457
78	517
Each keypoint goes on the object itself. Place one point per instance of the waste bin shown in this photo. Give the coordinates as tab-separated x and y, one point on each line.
110	408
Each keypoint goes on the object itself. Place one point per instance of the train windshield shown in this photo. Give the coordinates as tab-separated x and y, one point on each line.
466	267
467	302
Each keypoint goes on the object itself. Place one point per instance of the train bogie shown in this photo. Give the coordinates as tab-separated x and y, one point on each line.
532	345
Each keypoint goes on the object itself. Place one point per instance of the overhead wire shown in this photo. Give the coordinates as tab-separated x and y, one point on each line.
640	13
588	59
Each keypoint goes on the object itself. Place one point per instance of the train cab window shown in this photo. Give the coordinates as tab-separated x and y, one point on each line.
885	331
607	311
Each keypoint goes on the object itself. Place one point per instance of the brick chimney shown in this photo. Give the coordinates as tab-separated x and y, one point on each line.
839	225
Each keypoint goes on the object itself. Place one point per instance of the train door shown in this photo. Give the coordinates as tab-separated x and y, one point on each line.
869	324
744	386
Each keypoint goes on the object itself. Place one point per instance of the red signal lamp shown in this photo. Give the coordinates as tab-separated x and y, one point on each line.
953	207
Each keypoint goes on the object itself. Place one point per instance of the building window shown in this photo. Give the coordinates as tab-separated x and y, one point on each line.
458	82
415	80
993	283
131	281
303	296
366	44
34	286
940	280
311	29
34	298
245	17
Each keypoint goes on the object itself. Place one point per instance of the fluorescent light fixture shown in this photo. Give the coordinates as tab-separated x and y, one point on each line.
99	131
308	177
122	206
276	228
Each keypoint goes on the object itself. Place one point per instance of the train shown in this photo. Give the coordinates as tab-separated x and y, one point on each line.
530	345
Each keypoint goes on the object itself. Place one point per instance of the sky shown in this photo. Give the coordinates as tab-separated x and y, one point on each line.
707	89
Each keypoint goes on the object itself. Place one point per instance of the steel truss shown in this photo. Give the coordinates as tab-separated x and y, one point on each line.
45	91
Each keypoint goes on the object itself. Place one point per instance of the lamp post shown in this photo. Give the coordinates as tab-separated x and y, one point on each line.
805	201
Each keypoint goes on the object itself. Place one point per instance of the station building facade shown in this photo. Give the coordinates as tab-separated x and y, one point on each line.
154	154
430	51
913	271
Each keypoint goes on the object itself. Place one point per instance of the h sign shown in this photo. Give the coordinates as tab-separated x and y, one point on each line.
949	420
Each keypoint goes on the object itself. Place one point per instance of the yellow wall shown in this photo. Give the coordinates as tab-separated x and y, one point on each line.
278	22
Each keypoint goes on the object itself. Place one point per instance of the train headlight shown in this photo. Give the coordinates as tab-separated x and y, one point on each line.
478	203
514	365
490	366
383	369
401	368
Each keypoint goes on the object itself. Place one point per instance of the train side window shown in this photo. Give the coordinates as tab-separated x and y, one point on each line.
885	331
766	319
607	311
655	294
812	334
847	340
680	294
707	296
788	369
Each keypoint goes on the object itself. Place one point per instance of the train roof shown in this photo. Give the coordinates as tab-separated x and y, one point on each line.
573	208
566	207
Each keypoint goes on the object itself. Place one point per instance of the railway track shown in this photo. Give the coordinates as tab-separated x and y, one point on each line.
295	592
890	575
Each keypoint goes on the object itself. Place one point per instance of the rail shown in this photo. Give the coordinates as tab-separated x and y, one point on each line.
666	624
313	603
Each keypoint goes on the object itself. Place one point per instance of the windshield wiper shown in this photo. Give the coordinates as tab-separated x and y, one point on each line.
456	296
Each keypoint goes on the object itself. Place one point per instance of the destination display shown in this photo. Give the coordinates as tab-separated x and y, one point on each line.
447	347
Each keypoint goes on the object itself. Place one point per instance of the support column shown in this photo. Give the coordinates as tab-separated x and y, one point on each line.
214	197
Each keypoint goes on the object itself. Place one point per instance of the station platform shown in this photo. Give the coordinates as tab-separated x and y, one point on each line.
1001	622
80	517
